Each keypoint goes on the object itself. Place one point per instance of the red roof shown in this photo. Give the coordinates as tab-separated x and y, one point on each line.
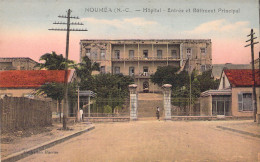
30	78
242	77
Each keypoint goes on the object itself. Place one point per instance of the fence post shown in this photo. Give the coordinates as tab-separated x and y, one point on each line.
167	101
133	101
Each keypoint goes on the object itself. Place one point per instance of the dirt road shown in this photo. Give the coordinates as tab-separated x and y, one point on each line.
155	141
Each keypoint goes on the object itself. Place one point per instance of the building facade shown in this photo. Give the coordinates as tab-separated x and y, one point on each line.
217	69
234	96
17	83
17	63
141	58
25	83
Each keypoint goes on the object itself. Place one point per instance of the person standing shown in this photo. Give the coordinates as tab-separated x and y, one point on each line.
81	114
158	113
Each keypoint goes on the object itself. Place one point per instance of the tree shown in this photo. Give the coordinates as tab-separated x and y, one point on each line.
164	75
107	109
168	75
52	61
55	91
181	84
200	83
85	68
207	81
110	89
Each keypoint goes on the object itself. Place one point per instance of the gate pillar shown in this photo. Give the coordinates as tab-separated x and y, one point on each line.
133	101
167	101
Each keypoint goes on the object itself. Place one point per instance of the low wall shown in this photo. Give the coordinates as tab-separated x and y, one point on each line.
176	118
107	119
19	113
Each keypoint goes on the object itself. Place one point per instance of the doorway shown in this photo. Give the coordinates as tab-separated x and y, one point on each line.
146	87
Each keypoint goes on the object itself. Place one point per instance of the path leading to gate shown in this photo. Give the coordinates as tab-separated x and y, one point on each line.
147	103
156	141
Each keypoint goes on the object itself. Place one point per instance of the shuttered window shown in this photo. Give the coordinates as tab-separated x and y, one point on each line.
240	102
245	102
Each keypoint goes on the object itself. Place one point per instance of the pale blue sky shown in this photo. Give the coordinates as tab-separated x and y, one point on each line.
28	19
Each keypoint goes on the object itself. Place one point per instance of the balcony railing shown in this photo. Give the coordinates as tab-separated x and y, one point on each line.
146	59
141	75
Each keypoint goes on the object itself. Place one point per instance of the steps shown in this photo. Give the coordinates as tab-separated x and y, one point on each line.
147	104
150	96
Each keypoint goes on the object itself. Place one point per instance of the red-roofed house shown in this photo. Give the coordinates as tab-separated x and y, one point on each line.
234	95
22	83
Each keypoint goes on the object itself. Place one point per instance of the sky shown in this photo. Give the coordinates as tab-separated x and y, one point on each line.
25	23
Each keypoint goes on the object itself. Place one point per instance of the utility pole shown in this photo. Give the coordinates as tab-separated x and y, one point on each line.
68	23
190	72
251	40
78	114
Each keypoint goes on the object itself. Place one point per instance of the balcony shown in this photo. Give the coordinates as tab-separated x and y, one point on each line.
147	59
143	75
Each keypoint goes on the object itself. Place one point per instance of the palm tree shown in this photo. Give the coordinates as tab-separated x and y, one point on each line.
53	61
86	67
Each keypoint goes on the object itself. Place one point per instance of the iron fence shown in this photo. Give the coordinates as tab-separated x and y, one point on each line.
185	107
117	107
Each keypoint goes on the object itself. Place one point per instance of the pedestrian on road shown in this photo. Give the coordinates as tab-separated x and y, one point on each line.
81	114
158	113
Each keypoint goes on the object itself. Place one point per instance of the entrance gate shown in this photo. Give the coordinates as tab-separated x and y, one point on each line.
166	101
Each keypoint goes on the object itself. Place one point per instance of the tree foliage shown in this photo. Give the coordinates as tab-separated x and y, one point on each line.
109	85
52	61
110	89
168	75
207	81
107	109
181	82
52	90
86	67
164	75
56	91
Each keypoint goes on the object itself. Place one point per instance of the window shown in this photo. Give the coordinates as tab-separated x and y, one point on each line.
203	51
203	68
117	54
188	53
131	71
103	54
221	105
223	82
145	71
174	54
88	52
145	53
131	54
102	69
94	55
117	70
245	102
159	54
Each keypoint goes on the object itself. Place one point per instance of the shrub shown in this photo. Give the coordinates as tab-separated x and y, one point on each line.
107	109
